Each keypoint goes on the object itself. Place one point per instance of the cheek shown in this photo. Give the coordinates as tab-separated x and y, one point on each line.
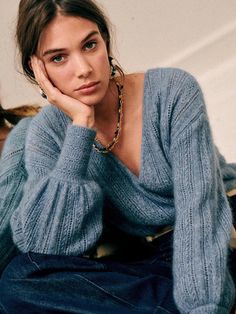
103	62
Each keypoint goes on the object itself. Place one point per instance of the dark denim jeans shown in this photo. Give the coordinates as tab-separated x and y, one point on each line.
36	283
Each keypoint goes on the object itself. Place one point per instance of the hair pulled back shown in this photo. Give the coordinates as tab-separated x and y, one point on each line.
35	15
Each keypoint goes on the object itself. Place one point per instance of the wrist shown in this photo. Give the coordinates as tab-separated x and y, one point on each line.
87	122
75	153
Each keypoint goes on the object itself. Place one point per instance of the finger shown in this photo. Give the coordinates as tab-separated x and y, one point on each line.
42	69
35	67
38	71
42	78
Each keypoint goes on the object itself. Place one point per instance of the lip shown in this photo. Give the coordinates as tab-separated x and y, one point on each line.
88	88
85	86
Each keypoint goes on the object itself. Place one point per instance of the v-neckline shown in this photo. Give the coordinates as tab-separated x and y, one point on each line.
118	161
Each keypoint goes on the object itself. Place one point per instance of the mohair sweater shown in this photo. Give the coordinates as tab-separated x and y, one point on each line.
72	191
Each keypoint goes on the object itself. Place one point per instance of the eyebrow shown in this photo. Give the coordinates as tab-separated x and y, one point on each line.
56	50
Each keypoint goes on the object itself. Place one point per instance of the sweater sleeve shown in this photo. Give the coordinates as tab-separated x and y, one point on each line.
228	171
12	180
202	283
61	209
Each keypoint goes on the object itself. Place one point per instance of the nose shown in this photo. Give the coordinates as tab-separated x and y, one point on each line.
82	66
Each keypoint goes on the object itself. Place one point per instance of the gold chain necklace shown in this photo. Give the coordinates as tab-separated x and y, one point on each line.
110	146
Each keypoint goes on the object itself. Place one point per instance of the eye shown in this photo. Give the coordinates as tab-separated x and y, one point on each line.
90	45
58	59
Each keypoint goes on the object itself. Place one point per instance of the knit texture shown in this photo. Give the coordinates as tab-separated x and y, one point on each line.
12	179
72	191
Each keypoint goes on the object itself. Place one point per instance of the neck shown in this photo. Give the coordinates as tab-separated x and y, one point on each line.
106	111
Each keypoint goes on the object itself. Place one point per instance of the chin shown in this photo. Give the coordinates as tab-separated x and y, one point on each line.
90	100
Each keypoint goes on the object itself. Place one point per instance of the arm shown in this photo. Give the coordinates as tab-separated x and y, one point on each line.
60	212
202	283
12	179
228	171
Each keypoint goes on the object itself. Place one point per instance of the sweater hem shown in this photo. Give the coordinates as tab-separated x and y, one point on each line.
210	309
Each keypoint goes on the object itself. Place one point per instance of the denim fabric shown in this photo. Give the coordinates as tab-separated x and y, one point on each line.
37	283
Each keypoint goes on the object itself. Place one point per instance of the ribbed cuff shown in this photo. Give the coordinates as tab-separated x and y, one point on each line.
210	309
75	153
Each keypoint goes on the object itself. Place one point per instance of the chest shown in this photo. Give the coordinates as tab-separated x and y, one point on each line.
128	149
138	158
147	187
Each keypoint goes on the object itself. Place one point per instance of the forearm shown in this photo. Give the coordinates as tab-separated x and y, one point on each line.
60	212
203	225
58	218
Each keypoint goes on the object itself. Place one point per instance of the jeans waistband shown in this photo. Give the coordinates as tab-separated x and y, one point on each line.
136	247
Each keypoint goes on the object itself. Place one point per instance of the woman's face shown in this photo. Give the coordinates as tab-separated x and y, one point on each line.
74	54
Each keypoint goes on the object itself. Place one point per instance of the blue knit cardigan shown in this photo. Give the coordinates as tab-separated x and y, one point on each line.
70	188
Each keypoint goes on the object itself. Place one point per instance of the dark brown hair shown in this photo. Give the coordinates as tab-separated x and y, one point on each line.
35	15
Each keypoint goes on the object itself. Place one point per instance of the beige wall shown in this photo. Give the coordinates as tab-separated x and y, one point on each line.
196	35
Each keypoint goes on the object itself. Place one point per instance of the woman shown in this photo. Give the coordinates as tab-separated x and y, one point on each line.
114	156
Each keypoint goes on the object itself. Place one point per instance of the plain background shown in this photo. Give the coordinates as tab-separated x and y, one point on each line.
196	35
